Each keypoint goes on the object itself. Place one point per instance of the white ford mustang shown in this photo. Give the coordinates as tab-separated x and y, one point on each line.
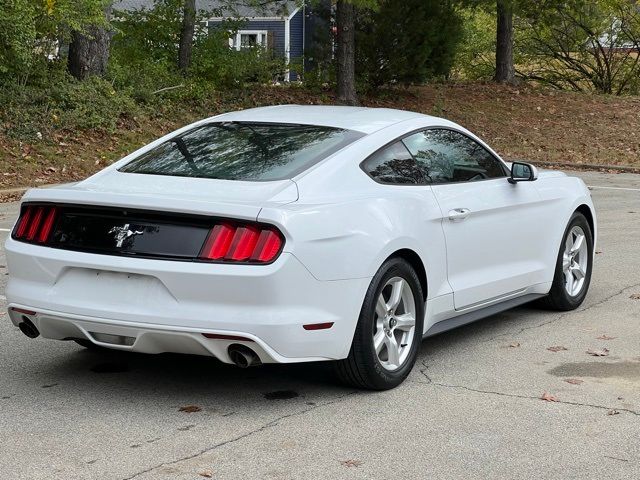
295	234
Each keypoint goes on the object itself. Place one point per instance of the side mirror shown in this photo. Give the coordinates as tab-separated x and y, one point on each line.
522	172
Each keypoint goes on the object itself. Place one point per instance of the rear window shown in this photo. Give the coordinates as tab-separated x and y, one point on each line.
242	151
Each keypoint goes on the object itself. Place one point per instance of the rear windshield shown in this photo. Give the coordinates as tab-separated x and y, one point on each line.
242	151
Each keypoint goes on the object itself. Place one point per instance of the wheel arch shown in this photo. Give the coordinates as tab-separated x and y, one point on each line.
417	264
585	210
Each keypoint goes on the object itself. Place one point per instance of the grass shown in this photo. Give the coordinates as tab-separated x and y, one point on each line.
519	122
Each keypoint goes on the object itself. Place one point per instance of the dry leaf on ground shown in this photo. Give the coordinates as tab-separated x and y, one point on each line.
547	397
557	348
574	381
605	337
613	412
635	296
206	473
190	409
598	352
350	463
514	345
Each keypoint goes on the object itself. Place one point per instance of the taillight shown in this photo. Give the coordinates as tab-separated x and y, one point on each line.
35	224
246	242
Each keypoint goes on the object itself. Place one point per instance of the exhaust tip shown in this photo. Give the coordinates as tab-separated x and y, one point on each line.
243	356
27	327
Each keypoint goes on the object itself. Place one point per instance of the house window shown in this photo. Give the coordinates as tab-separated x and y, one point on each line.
248	39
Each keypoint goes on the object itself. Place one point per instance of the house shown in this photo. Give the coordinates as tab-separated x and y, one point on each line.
287	27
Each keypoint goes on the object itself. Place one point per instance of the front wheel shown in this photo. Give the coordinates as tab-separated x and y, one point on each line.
573	266
389	331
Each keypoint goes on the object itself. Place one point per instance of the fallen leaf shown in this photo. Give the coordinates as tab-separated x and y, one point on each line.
557	348
350	463
613	412
605	337
574	381
598	252
206	473
598	353
190	409
635	296
514	345
547	397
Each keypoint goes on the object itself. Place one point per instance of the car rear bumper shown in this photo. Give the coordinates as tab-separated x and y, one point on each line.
167	306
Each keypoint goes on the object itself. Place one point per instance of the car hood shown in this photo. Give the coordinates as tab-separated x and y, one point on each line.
174	194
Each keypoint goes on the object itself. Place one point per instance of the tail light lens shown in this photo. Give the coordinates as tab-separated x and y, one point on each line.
35	224
247	242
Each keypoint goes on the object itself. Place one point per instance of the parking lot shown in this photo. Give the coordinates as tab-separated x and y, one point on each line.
471	408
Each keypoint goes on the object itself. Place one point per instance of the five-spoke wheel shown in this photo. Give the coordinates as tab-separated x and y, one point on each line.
573	267
387	338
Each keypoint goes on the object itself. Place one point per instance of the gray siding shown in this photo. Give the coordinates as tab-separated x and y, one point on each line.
296	31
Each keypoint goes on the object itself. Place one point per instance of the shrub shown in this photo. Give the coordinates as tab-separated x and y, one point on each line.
407	42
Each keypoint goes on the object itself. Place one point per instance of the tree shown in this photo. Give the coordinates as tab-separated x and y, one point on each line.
89	49
186	35
346	53
505	70
407	42
583	45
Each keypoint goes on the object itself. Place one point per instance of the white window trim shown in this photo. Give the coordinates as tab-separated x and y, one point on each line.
236	38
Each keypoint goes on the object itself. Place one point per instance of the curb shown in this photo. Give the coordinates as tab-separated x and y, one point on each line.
588	166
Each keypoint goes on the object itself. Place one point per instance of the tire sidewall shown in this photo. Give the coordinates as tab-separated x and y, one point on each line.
577	219
395	267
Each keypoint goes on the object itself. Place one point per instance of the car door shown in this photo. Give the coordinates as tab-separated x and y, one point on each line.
492	228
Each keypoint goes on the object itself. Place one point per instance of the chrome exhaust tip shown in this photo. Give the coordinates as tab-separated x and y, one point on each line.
27	327
243	356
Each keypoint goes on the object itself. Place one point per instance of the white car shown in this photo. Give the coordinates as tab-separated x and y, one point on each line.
296	234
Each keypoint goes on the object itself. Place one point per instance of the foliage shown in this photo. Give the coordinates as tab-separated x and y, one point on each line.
584	45
64	103
475	57
407	42
31	31
215	62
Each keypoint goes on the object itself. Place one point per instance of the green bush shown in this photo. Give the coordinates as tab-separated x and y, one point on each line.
63	104
407	42
476	56
225	68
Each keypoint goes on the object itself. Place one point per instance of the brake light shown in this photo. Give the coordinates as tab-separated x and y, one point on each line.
35	224
247	242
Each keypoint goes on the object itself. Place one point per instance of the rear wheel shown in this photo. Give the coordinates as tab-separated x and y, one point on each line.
389	331
573	266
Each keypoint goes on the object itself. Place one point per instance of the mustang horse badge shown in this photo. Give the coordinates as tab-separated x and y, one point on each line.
122	233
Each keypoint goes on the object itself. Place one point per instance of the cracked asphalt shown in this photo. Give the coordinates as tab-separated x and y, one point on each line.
470	409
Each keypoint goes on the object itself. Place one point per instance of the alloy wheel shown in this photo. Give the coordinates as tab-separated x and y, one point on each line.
394	328
575	261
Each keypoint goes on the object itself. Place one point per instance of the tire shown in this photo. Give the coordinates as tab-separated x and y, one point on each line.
366	367
559	297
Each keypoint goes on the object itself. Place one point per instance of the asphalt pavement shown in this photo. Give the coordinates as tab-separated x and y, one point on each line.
471	408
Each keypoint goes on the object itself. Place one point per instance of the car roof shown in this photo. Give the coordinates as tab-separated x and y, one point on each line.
362	119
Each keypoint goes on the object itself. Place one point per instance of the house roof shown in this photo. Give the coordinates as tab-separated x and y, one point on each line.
223	8
361	119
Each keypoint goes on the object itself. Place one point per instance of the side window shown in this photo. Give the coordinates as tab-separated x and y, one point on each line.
448	156
395	165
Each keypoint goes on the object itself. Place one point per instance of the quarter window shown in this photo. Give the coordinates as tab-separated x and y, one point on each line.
448	156
394	165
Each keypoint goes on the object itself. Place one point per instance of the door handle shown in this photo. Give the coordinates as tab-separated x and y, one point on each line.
458	214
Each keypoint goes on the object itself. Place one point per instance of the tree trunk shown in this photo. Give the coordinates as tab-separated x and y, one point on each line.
505	71
89	50
346	55
186	35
